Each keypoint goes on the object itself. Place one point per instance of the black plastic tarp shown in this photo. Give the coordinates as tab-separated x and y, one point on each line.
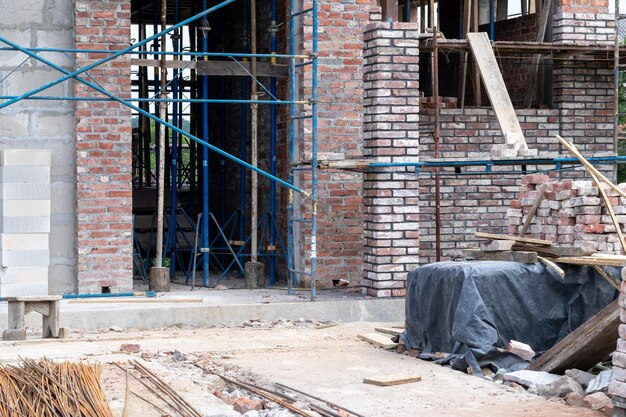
470	309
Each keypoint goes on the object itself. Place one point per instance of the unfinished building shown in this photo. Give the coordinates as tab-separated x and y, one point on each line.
375	115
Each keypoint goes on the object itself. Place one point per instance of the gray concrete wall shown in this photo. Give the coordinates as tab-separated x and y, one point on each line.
43	124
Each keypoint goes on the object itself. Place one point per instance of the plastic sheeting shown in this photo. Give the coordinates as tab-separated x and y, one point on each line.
470	309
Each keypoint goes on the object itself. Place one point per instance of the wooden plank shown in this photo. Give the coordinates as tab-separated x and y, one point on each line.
584	347
534	66
590	261
389	380
496	89
135	300
531	214
475	75
506	256
219	68
552	266
379	340
389	330
541	250
495	236
29	298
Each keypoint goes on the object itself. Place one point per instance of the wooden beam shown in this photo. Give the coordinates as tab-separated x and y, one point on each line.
494	236
390	10
589	344
496	90
219	68
533	209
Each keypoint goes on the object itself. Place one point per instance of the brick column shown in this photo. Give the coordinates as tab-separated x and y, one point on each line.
391	134
103	152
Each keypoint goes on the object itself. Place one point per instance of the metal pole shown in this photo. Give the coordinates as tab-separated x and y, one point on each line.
172	230
244	133
492	30
616	75
161	160
205	159
435	58
254	140
273	90
292	133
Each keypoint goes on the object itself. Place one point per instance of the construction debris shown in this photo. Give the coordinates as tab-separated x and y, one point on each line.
46	389
377	339
521	349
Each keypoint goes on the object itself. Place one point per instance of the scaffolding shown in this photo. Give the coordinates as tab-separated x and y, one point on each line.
182	153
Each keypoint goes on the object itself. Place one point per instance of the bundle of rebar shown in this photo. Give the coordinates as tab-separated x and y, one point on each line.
47	389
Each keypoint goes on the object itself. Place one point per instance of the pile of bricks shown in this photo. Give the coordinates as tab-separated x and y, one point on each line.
24	222
571	213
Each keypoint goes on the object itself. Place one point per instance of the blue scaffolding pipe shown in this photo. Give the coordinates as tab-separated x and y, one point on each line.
292	155
160	100
222	213
205	144
273	92
205	164
157	53
117	54
488	163
492	31
244	132
407	10
172	229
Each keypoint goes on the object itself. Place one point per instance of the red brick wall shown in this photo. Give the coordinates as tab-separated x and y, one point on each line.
103	152
340	89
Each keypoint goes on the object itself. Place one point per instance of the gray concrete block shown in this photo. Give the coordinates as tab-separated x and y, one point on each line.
31	288
61	38
52	125
23	241
62	279
20	13
25	208
40	224
25	157
24	258
26	174
63	198
23	274
59	13
14	125
63	247
9	60
13	335
30	79
25	191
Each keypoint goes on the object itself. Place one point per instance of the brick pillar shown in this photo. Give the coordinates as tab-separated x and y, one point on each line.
391	195
584	90
103	152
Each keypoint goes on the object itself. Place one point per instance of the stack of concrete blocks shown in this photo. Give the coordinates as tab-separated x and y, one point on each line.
24	222
571	213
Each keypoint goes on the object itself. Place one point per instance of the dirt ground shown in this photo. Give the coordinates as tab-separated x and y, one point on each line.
329	362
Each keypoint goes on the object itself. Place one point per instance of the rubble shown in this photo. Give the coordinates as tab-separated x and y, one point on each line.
563	386
579	376
600	382
531	378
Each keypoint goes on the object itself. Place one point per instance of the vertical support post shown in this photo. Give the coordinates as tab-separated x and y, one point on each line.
616	75
159	279
435	80
390	10
172	232
407	10
477	92
161	146
292	134
205	158
492	29
244	132
254	107
273	109
314	152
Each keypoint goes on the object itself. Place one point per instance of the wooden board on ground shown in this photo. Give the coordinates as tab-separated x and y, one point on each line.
389	380
507	256
496	89
586	346
389	330
380	340
531	241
